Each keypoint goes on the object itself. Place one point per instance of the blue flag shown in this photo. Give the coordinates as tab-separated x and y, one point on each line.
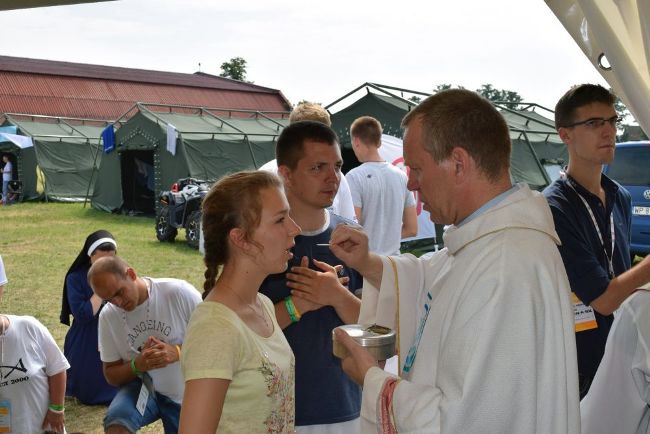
108	137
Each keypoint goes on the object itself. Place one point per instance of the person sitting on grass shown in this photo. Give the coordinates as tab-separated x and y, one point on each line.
32	375
141	331
86	380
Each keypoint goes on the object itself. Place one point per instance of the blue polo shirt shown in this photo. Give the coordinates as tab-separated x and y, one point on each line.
324	393
583	255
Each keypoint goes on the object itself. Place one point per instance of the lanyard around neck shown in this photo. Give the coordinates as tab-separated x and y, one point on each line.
146	321
595	224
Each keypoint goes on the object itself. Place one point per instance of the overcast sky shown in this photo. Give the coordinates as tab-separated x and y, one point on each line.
317	50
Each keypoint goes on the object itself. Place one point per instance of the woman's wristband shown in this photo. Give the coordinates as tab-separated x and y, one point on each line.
178	349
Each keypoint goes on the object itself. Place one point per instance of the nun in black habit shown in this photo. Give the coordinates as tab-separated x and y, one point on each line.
86	379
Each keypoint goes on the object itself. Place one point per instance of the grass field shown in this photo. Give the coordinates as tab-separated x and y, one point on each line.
39	241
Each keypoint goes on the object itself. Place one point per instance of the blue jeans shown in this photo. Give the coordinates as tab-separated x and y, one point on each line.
5	192
122	410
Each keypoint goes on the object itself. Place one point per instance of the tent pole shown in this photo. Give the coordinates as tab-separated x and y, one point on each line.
539	164
92	174
345	96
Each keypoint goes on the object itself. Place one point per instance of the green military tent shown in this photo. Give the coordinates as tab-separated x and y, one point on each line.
59	152
390	104
155	145
531	126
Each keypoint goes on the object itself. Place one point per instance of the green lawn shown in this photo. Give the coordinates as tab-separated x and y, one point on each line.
39	241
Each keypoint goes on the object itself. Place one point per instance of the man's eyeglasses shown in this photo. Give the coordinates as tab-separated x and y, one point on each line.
595	123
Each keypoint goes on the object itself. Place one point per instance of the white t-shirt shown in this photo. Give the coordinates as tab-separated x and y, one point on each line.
379	189
29	357
342	204
3	275
6	171
164	315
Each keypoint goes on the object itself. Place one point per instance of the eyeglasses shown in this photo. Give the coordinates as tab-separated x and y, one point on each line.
595	123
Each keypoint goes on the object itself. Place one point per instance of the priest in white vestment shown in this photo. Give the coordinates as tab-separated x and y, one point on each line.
619	397
485	326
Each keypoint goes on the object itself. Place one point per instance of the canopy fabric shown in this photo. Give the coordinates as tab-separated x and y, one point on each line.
619	29
10	129
18	140
208	147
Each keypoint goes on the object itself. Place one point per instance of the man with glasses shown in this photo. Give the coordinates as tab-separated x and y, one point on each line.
141	331
592	218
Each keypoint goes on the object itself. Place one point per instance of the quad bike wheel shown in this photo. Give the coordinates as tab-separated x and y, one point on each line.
164	231
193	229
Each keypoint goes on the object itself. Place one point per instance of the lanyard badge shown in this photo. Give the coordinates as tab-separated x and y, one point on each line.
5	416
610	263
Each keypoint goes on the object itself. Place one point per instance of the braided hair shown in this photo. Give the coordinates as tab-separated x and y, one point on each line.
233	202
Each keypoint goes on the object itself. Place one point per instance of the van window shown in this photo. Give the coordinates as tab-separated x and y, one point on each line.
630	166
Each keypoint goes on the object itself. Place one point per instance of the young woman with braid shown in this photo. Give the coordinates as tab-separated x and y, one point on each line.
238	366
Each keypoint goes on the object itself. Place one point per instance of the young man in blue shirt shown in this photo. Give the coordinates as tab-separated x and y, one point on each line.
592	218
309	298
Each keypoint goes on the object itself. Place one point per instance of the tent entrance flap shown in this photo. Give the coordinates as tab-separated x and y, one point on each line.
138	182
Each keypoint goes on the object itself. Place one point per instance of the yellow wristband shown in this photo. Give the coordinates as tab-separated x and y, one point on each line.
178	348
295	309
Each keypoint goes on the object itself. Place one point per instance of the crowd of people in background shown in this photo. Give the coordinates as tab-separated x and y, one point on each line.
511	328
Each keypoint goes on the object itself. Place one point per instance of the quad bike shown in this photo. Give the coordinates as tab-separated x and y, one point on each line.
180	207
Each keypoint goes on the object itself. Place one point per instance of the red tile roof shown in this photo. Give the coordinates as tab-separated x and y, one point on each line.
103	92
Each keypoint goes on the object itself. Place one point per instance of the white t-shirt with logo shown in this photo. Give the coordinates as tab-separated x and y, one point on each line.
164	315
29	357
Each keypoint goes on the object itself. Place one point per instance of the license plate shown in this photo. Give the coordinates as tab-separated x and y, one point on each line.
641	210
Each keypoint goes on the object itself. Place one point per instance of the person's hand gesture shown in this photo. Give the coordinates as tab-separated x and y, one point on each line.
350	244
158	354
323	288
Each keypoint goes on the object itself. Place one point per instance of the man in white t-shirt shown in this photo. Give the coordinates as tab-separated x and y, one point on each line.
6	177
383	205
32	377
141	331
32	374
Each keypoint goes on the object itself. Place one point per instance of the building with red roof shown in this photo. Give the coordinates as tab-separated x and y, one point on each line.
54	88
